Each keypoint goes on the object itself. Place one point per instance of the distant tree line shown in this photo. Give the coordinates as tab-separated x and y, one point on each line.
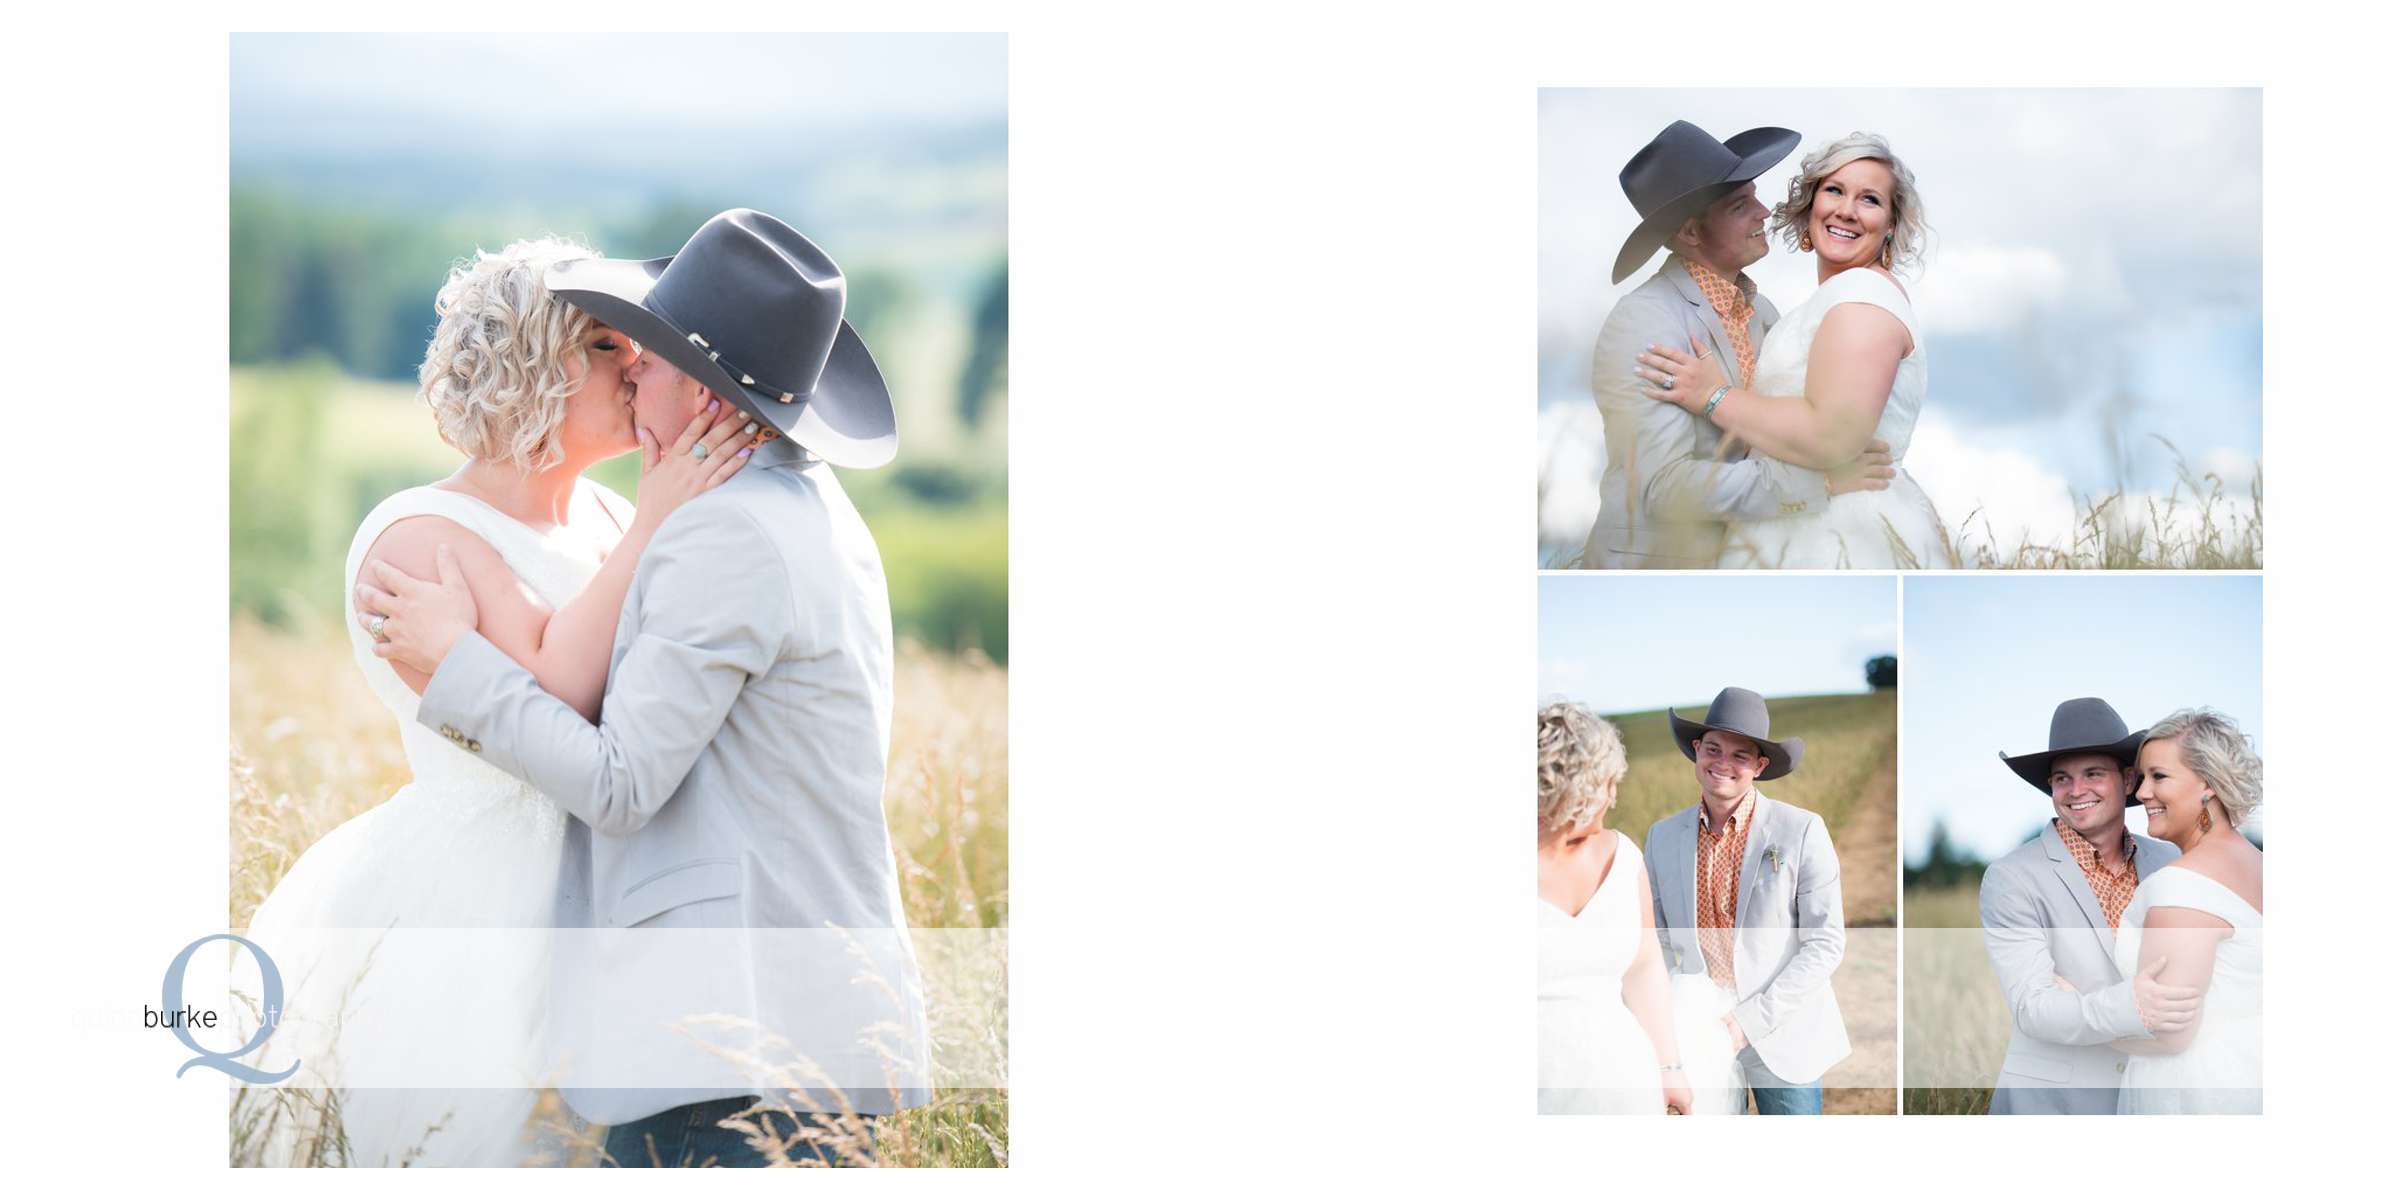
356	286
1946	864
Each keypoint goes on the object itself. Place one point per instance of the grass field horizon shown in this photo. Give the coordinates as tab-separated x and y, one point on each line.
1848	776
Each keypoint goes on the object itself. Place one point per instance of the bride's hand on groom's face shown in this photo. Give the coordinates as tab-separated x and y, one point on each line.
716	443
414	621
1685	379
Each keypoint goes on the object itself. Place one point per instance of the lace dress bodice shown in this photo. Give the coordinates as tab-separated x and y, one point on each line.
2220	1070
413	939
1893	528
1783	359
554	566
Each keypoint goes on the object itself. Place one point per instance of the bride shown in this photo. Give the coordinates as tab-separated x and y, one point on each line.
2200	915
1610	1019
1845	368
412	940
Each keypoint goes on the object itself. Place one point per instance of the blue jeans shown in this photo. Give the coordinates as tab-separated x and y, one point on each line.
691	1137
1773	1096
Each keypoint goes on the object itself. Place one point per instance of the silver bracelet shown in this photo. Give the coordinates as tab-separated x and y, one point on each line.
1715	396
1670	1067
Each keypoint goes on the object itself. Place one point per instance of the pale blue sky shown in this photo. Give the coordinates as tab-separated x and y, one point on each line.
1988	657
1625	643
309	86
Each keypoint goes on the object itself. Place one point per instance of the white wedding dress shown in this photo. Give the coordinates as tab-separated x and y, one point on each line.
413	940
1893	528
2219	1072
1595	1058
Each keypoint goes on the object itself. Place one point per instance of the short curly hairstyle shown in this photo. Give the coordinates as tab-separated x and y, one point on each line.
504	354
1909	233
1580	755
2219	753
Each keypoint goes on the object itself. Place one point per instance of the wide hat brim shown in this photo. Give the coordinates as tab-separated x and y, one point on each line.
1782	757
847	420
2034	768
1760	150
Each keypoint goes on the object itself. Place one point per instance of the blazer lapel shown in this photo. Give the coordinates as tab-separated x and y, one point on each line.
1754	858
2080	888
1687	868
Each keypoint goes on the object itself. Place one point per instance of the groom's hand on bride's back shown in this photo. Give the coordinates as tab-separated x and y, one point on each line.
2165	1007
1871	471
420	619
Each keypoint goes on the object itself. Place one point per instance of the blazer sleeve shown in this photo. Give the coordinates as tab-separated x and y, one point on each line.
1658	903
710	615
1817	923
2018	938
1675	479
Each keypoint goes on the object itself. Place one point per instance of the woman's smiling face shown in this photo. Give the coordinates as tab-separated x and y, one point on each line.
1852	214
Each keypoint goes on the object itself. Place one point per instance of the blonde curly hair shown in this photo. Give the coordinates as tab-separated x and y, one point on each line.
504	355
1581	756
1909	234
2220	754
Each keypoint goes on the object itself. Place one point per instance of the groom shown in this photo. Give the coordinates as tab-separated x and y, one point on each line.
1672	480
2050	910
1748	890
729	853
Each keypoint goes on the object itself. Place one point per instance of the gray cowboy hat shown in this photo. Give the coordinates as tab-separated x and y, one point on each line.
2081	726
1739	711
1682	171
752	310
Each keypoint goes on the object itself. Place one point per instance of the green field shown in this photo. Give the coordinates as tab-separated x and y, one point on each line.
312	450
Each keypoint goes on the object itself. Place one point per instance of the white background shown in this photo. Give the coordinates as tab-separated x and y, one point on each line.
1273	272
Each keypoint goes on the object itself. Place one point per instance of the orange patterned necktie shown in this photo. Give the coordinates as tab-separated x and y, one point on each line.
1734	311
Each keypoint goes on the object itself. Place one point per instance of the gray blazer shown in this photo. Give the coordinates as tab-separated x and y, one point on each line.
1668	490
732	793
1788	938
2041	921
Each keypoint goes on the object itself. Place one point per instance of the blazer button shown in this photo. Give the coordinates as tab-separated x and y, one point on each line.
476	747
2120	1066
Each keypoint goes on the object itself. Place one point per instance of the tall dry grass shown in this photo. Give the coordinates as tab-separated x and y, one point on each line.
1955	1025
2196	526
311	748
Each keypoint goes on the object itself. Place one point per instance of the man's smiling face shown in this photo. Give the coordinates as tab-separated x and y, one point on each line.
1729	234
1726	764
2088	791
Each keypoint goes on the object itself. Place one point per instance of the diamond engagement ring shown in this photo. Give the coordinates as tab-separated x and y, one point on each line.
375	628
1669	381
700	451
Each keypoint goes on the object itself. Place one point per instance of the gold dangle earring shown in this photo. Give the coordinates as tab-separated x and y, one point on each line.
1887	254
2205	823
1805	244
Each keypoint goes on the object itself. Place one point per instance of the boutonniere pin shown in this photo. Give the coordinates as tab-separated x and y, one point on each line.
1774	858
